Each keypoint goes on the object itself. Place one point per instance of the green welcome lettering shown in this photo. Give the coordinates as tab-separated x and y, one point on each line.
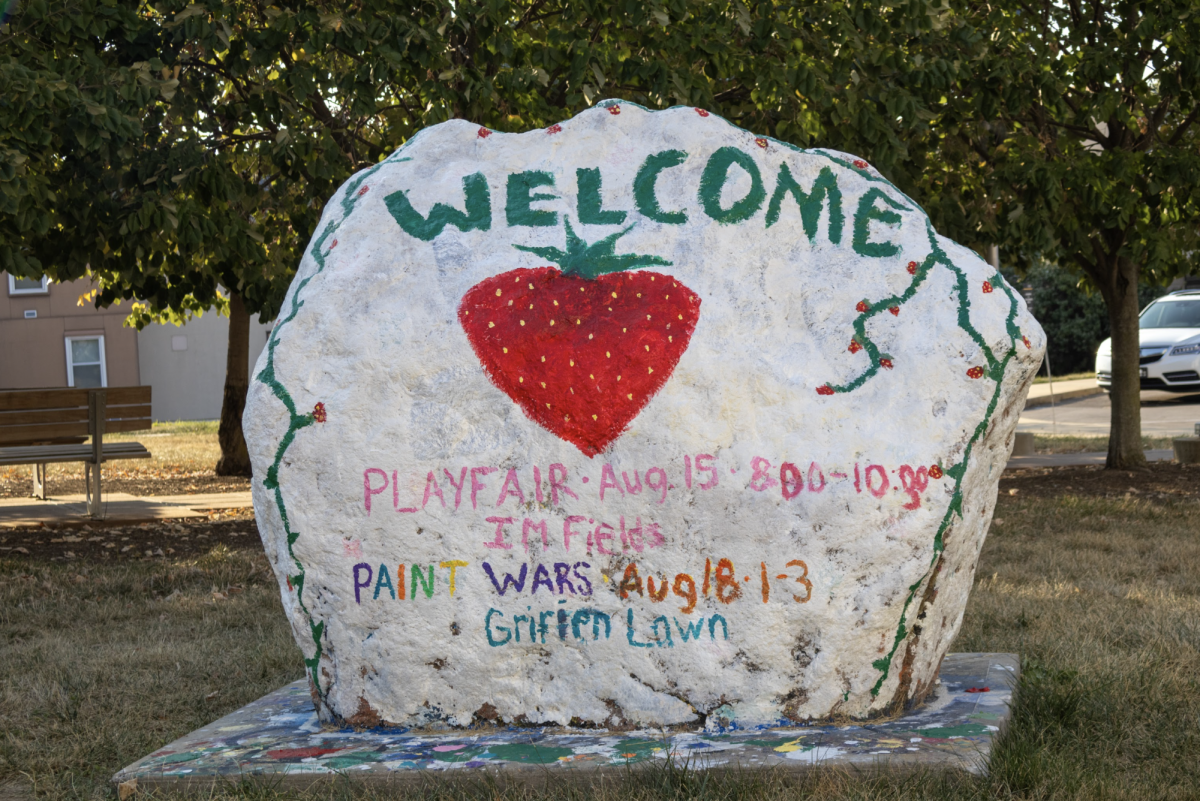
644	187
589	205
478	216
520	195
824	189
712	181
867	211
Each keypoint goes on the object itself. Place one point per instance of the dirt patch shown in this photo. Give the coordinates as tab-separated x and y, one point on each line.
161	539
1155	480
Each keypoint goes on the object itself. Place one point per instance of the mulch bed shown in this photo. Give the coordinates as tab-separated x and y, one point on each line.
161	539
1158	480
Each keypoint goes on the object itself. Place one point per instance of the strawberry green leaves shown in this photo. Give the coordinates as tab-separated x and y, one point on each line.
590	261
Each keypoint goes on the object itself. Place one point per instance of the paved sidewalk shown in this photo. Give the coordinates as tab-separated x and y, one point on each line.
118	508
1164	414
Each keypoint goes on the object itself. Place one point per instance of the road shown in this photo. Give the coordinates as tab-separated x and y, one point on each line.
1163	415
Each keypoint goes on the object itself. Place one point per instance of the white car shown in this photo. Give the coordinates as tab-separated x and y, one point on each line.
1169	333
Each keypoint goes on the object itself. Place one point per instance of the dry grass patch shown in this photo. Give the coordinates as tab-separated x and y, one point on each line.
1100	595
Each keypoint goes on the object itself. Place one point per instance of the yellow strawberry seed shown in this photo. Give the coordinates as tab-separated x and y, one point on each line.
593	417
522	322
497	293
630	396
651	369
491	325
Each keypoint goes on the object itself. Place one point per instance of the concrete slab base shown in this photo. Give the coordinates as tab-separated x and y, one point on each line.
278	739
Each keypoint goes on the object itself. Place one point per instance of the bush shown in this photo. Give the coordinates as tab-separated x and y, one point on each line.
1074	317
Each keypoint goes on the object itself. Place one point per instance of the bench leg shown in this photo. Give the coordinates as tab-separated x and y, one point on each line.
92	483
39	481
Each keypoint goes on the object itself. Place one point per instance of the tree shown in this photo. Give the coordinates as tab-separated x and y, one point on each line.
1073	138
204	137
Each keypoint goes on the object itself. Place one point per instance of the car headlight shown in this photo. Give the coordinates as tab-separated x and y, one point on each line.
1181	350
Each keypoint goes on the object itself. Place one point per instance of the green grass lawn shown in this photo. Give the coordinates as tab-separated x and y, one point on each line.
1044	443
1100	597
1041	379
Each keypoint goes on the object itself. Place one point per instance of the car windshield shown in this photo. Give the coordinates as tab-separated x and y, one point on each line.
1171	314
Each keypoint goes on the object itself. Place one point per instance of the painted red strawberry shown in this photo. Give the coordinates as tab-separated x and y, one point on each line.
581	349
553	129
484	133
761	142
318	412
935	471
614	110
895	310
912	268
702	112
854	346
860	163
975	372
1026	341
824	389
987	287
886	363
862	306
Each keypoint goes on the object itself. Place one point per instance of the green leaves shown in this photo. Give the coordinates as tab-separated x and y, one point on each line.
591	261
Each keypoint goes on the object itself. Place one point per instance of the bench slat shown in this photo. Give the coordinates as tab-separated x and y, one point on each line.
71	453
71	415
49	431
21	399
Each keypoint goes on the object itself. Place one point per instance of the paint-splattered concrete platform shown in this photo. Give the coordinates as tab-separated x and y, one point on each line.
279	738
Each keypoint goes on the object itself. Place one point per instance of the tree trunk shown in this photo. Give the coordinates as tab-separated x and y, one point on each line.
1125	430
235	459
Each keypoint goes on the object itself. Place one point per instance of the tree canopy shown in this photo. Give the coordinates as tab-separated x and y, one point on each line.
167	148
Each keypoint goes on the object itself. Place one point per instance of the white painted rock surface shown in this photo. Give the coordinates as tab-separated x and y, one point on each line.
650	421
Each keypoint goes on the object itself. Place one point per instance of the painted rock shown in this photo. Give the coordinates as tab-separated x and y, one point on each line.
562	428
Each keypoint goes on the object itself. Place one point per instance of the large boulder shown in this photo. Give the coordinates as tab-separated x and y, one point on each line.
637	419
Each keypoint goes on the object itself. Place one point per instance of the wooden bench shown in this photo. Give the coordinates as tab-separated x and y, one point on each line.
40	426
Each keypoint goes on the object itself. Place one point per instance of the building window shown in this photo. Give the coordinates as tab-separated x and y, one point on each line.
85	362
28	286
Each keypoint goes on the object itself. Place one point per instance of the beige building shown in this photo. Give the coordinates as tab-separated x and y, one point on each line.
48	340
